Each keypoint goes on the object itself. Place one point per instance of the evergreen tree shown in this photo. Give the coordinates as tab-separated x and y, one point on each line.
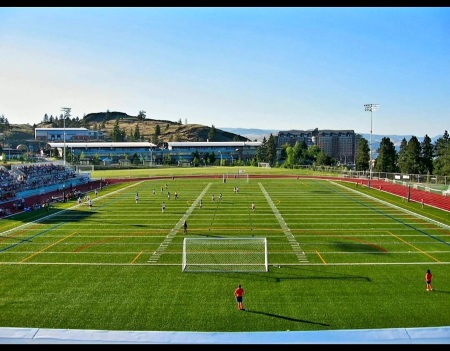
261	153
402	164
362	155
442	152
212	133
136	134
387	156
413	155
427	156
271	150
117	133
157	130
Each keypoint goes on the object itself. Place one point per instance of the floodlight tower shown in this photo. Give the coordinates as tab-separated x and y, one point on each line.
66	111
371	108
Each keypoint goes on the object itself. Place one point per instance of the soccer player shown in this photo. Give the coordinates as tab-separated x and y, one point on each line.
253	206
136	197
90	205
185	227
163	207
201	203
428	277
239	295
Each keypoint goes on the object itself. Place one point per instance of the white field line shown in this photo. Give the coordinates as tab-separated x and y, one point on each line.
287	232
5	233
168	239
439	224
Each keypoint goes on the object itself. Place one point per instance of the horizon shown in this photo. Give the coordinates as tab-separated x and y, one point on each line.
279	68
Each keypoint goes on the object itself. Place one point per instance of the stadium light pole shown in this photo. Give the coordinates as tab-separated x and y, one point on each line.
66	111
371	108
220	152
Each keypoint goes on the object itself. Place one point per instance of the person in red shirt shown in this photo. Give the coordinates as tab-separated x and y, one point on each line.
239	295
428	277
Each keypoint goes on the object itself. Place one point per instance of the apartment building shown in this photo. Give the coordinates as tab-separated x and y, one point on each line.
339	144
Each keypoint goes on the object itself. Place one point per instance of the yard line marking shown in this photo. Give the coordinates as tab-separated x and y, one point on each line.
287	232
5	233
321	258
154	258
49	246
426	219
415	248
137	256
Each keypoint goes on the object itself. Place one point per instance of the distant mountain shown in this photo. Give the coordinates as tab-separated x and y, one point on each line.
252	133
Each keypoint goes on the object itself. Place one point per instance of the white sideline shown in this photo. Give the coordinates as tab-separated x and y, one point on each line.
433	335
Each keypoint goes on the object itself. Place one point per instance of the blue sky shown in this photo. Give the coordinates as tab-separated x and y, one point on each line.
257	67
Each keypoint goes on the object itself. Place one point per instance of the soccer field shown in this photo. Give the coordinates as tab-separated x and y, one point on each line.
338	258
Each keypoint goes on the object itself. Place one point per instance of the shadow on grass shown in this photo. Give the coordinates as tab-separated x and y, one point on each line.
440	291
287	318
281	273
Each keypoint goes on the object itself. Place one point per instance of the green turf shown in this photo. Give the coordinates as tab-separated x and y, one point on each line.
340	257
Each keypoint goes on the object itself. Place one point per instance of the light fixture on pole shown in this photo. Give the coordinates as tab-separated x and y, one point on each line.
66	111
371	108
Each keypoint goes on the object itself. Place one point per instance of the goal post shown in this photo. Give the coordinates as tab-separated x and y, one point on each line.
225	255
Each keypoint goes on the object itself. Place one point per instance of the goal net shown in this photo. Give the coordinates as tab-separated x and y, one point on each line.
225	255
84	168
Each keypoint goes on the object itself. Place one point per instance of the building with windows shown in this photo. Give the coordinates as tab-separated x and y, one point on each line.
226	151
339	144
47	135
180	153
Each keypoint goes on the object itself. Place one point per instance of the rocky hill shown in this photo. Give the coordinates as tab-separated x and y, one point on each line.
168	130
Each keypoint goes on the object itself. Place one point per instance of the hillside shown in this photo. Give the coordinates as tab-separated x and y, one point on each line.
169	130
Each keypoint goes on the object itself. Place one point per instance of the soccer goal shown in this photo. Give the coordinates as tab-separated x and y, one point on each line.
225	255
84	168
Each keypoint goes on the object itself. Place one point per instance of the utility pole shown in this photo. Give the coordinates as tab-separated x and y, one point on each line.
66	111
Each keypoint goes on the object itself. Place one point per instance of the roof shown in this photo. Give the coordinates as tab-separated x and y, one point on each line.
214	143
103	144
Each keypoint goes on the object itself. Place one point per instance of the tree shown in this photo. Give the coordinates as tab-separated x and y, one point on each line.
322	159
212	133
427	155
117	133
141	115
4	127
413	155
387	156
289	162
261	153
271	150
402	164
136	134
157	130
362	155
442	152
